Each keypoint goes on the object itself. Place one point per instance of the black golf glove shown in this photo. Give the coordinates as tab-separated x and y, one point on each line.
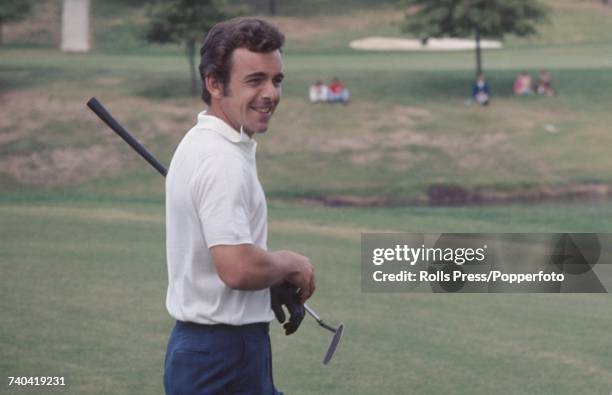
285	294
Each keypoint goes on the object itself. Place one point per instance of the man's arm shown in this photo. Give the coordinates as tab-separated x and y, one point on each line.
248	267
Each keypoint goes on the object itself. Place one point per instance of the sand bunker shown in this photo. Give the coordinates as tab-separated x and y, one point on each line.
434	44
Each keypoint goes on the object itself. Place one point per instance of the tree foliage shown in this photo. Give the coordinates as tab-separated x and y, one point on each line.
184	22
460	18
13	10
479	18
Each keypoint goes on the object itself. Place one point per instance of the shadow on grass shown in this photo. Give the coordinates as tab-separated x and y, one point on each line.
14	78
577	85
428	85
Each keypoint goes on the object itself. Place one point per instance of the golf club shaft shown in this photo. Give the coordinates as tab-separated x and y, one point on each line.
108	119
312	313
318	319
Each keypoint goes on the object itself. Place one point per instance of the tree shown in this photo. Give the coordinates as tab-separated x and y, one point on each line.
185	22
480	18
76	26
272	7
13	11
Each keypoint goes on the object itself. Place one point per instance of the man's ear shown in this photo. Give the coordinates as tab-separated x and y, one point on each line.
214	86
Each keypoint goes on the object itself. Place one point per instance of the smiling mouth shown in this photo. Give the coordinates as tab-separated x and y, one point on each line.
263	110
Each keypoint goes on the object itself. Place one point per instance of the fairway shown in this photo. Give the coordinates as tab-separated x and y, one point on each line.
83	288
82	223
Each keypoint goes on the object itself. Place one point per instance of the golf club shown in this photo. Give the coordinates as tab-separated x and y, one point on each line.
108	119
333	344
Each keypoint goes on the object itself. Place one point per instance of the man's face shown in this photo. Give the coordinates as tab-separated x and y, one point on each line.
253	91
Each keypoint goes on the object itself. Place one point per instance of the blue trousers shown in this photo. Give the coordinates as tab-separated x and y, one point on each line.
219	360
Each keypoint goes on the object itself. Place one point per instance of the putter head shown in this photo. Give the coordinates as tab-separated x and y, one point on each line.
333	344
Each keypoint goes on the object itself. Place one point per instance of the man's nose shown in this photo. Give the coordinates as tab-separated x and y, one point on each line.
271	91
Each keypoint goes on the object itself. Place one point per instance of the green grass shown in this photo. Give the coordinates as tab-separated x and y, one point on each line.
83	289
63	306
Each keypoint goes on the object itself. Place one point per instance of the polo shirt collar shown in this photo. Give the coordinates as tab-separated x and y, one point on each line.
215	124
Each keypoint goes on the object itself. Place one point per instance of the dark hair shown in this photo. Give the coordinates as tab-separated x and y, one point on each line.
222	39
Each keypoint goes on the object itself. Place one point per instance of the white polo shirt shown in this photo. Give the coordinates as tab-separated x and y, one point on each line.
213	197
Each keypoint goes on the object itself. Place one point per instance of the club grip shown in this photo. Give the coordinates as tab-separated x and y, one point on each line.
108	119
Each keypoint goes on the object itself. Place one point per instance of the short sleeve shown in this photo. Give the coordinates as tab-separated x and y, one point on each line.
220	193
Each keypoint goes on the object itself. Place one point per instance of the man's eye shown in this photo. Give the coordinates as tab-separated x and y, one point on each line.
278	81
255	81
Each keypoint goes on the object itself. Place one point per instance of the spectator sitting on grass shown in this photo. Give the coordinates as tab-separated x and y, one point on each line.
523	85
545	84
480	90
318	92
337	92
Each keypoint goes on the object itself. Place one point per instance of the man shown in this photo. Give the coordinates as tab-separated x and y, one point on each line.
219	271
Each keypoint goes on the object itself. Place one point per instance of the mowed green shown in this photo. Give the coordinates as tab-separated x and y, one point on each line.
83	287
82	223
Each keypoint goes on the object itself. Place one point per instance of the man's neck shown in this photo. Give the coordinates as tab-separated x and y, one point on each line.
215	111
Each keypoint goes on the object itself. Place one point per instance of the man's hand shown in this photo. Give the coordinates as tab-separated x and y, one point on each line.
302	275
286	294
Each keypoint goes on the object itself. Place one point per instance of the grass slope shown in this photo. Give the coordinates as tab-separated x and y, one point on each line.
407	121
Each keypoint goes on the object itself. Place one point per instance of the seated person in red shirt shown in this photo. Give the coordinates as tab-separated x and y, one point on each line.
337	92
523	85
